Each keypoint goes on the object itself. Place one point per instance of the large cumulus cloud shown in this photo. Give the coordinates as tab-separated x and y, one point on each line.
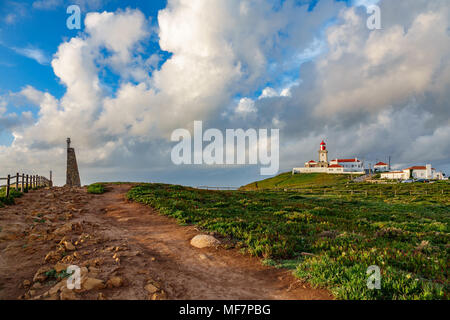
313	74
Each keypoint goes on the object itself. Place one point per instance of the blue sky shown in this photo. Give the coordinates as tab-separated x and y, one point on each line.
285	63
43	30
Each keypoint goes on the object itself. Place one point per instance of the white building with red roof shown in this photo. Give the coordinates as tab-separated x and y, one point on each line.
349	165
415	172
336	166
381	167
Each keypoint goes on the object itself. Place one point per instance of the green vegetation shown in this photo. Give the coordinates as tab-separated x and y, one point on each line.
8	200
329	239
96	188
52	274
287	180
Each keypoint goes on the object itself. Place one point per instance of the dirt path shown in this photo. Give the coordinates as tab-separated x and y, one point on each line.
135	246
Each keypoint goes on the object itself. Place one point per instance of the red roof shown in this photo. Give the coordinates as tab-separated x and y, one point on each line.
381	164
347	160
335	166
417	168
312	161
323	143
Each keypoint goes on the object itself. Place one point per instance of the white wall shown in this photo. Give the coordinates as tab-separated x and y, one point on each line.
394	175
352	166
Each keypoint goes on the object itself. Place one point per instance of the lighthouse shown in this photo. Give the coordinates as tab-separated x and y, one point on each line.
323	155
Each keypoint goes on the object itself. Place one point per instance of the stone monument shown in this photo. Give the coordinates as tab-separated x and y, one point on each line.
72	174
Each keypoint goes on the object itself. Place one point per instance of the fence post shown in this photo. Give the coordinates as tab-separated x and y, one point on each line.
7	185
23	178
26	185
17	181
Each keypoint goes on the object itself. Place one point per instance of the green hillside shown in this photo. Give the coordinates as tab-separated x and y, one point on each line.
328	240
287	180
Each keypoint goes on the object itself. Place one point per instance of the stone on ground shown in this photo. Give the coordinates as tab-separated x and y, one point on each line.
114	282
151	288
204	241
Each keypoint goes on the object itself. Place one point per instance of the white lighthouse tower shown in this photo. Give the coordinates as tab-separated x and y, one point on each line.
323	155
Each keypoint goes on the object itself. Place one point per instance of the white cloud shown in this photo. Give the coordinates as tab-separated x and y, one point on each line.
33	95
15	11
245	106
382	67
53	4
47	4
33	53
268	92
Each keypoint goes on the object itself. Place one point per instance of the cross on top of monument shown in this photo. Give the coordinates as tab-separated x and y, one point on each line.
68	143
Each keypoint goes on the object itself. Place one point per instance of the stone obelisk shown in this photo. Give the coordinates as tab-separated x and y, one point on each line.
72	174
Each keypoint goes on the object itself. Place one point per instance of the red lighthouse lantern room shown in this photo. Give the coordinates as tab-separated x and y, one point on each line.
323	146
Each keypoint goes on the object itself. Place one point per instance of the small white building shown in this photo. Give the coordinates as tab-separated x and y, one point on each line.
349	165
424	172
415	172
381	167
394	175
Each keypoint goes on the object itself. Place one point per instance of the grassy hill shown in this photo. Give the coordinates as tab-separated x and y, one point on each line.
287	180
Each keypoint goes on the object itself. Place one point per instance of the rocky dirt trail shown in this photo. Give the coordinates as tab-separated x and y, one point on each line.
125	250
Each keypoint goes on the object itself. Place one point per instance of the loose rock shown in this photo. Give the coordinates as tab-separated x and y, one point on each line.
91	284
204	241
151	288
69	246
114	282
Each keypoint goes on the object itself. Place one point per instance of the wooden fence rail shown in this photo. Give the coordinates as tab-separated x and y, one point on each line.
25	182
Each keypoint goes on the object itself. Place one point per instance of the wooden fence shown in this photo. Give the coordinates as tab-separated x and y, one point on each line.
24	182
